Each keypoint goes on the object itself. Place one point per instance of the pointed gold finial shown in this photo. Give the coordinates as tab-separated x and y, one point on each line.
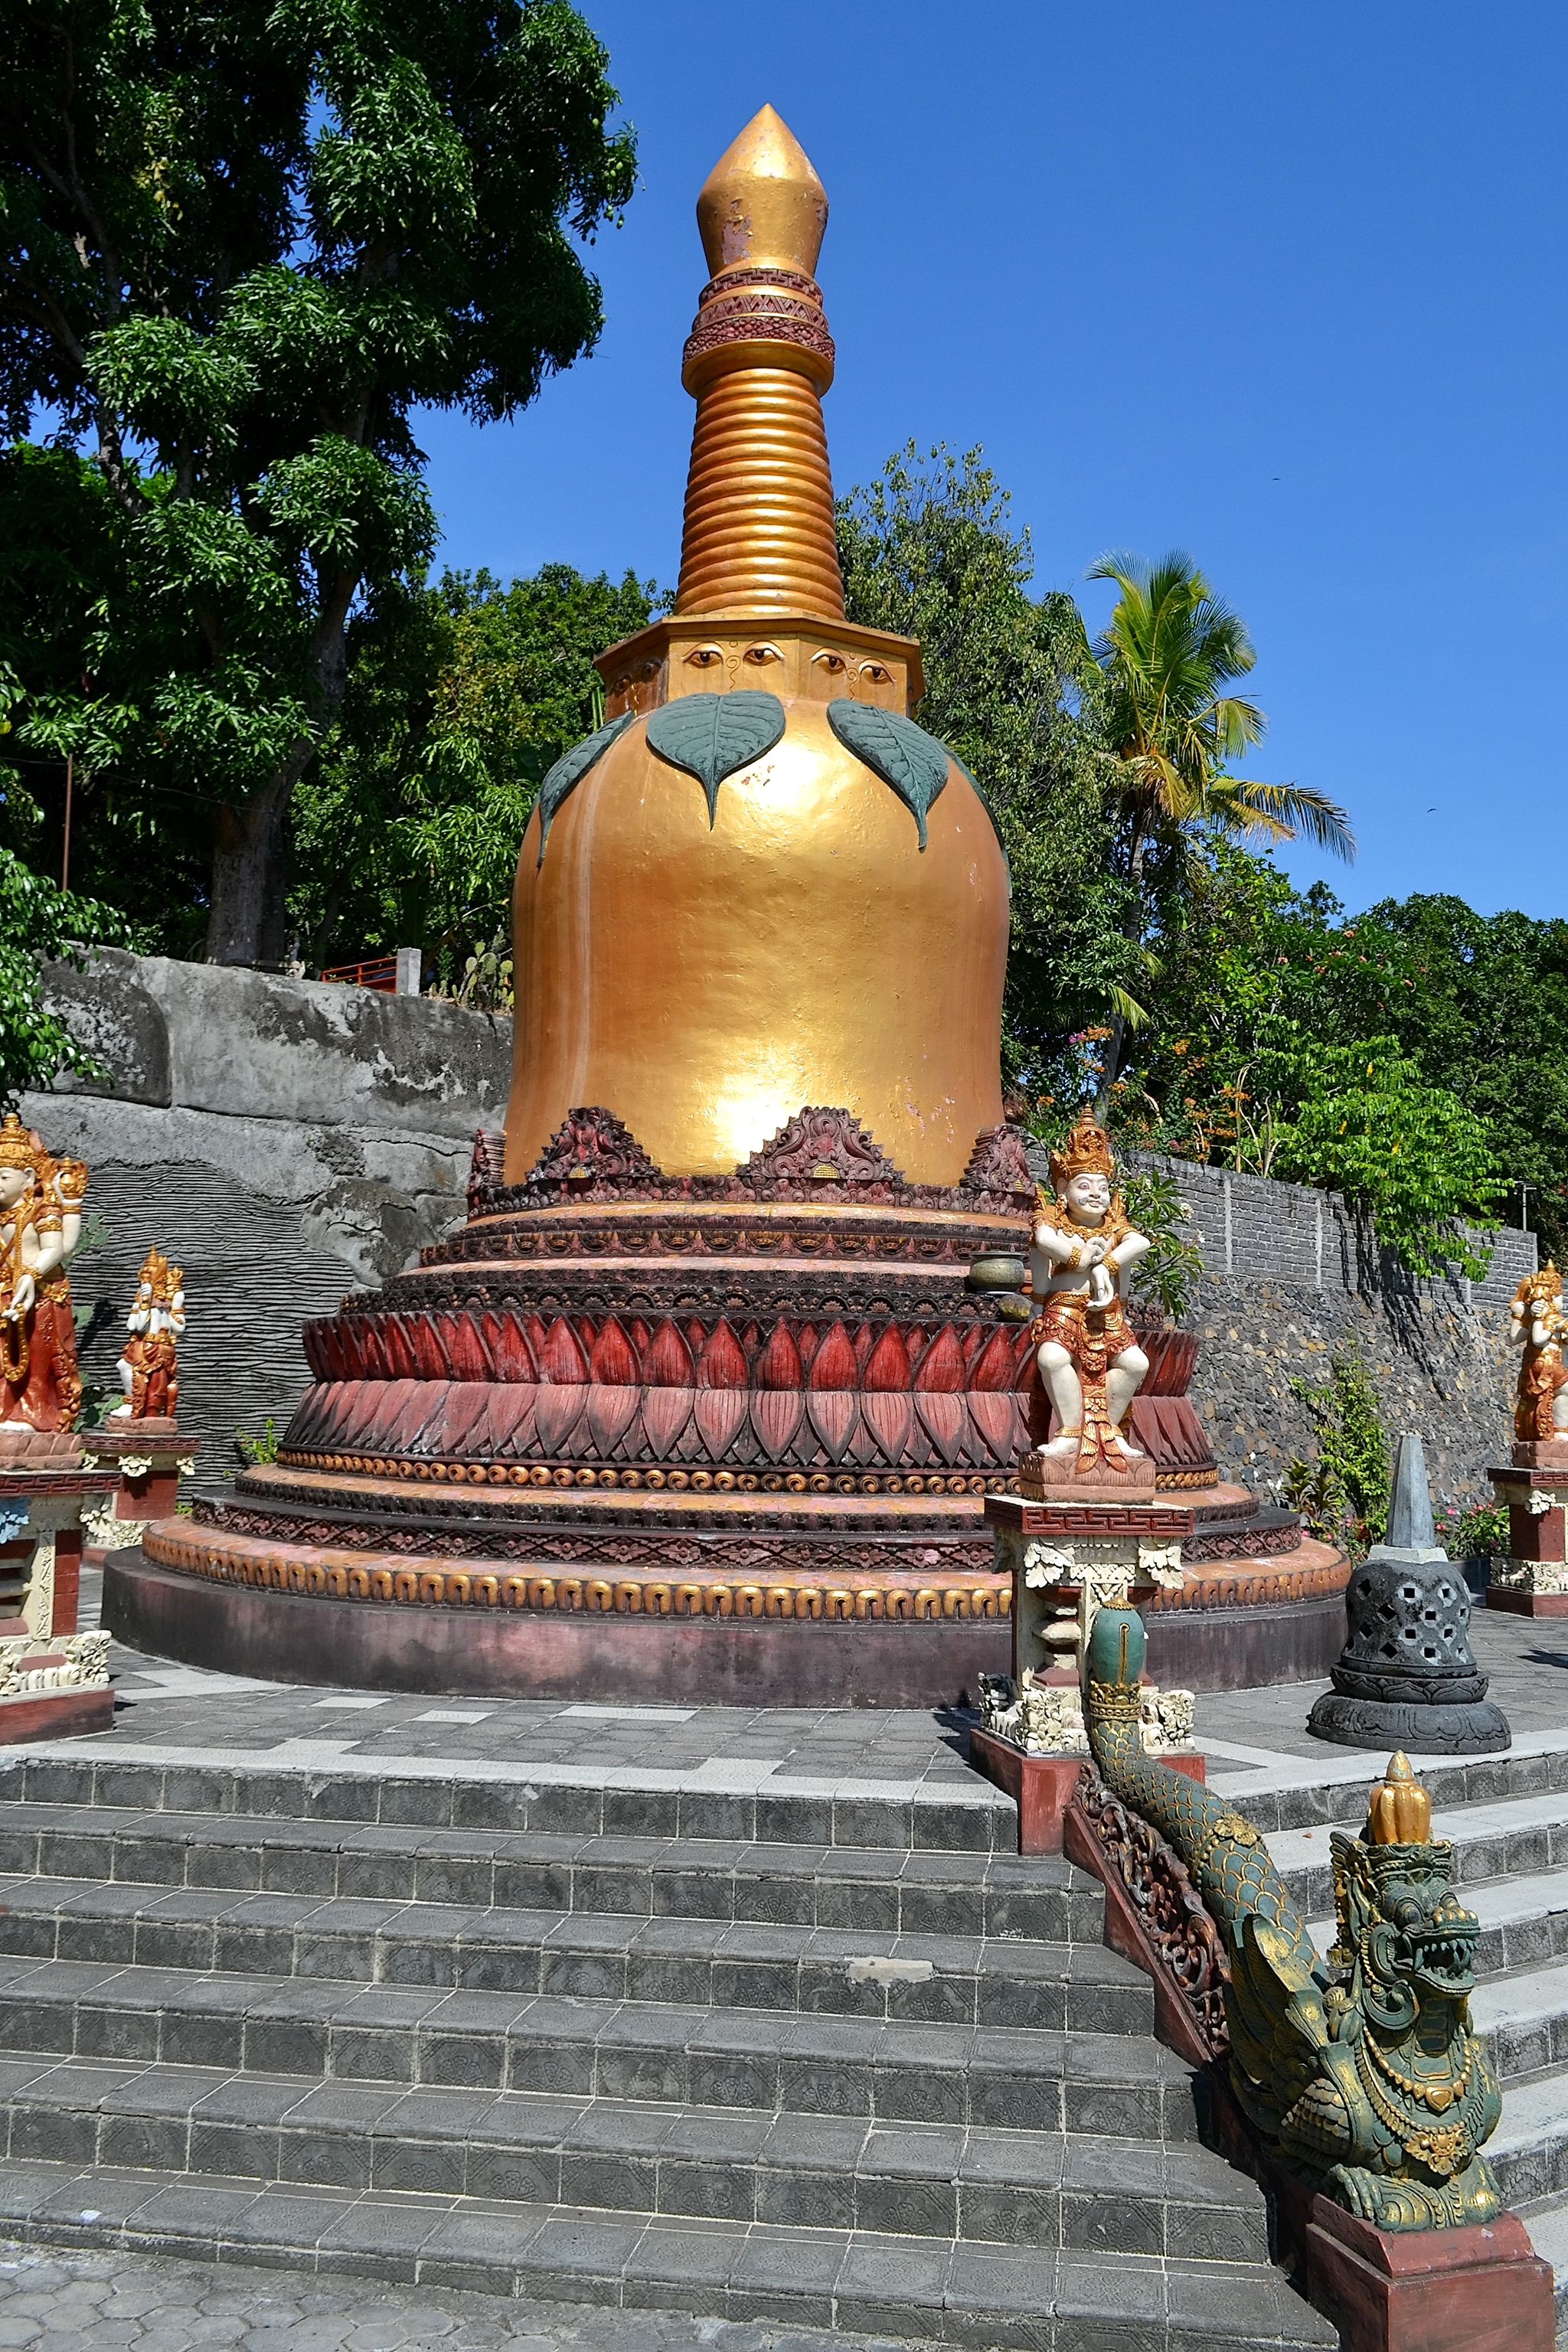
759	534
1398	1810
761	205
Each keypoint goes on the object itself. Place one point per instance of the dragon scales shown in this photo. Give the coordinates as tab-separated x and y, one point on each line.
1360	2074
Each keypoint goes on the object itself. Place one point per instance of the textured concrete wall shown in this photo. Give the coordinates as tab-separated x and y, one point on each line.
284	1141
1293	1277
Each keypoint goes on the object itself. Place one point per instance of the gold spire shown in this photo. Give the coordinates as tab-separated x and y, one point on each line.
757	535
761	204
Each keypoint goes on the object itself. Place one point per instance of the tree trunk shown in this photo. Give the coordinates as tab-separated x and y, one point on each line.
1133	933
250	877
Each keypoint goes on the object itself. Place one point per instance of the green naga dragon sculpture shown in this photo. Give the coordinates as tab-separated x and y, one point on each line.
1360	2075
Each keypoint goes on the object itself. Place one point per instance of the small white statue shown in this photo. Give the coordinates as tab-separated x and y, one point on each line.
1084	1250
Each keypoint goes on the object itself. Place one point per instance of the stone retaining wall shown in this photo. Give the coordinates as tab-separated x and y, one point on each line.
284	1141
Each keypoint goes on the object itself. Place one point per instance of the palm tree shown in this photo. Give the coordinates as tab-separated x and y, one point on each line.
1170	649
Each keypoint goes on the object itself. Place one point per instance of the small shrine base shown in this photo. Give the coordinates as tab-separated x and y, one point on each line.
1042	1786
1532	1580
1478	2290
56	1715
1522	1603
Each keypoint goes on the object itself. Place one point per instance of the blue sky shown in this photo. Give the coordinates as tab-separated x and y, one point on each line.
1283	287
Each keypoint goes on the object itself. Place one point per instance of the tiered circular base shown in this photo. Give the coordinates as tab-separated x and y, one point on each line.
723	1439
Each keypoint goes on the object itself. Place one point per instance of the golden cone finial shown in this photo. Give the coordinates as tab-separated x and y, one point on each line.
761	205
1399	1811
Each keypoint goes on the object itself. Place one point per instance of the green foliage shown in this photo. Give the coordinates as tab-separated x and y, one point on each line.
928	549
1480	1003
1366	1124
1472	1531
1344	1494
39	921
1169	1275
1170	649
486	984
254	1451
238	248
1257	1057
459	700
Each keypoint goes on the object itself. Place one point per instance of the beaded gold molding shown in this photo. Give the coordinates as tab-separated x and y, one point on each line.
675	1482
322	1575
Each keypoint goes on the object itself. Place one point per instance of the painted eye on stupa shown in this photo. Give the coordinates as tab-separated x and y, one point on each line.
875	673
704	657
760	656
832	663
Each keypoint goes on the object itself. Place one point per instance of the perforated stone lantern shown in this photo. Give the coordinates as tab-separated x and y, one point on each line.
1406	1676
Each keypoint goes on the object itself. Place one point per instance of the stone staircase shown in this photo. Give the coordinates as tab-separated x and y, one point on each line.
843	2063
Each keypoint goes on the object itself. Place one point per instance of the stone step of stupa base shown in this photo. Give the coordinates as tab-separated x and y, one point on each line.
915	2287
912	2179
1125	2085
809	1884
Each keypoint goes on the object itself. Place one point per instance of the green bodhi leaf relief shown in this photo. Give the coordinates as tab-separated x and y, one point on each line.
570	769
712	735
895	749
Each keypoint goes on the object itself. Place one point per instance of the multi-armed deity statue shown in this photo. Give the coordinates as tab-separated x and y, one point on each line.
1538	1326
148	1372
40	1226
1531	1578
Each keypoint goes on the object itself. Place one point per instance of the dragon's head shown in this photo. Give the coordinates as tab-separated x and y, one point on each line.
1406	1938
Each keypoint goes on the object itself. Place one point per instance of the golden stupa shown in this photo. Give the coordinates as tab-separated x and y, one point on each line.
700	1403
704	948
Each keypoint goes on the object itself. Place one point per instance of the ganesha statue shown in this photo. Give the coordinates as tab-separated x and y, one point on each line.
40	1226
1083	1251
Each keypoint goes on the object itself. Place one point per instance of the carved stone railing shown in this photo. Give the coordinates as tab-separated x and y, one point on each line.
1155	1916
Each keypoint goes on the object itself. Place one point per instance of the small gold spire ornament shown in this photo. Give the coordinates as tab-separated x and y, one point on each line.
1398	1810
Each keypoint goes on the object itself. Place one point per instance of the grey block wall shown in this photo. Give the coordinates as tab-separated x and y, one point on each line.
1293	1277
283	1140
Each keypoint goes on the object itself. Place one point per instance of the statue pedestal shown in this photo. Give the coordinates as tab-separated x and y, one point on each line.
148	1459
54	1681
1533	1486
1042	1480
1479	2290
1251	1598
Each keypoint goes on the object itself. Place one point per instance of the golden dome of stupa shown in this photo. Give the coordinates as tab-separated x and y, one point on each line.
760	886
